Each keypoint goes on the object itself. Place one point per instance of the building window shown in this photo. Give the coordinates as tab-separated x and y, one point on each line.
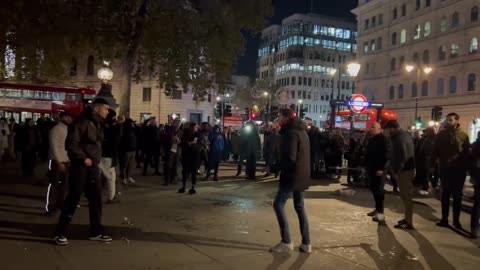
393	64
403	36
442	53
474	45
380	19
425	89
365	46
418	4
427	30
394	38
400	91
454	50
299	80
443	24
372	44
374	21
426	57
309	81
323	82
453	85
367	22
379	43
90	66
418	32
472	82
440	87
474	14
455	19
427	3
414	90
392	93
177	94
404	10
415	57
304	80
294	80
147	94
395	13
401	62
73	67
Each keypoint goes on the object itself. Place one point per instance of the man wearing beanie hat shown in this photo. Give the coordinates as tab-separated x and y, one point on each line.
84	148
402	165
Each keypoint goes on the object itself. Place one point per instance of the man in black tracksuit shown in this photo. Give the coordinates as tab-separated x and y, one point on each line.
377	156
84	148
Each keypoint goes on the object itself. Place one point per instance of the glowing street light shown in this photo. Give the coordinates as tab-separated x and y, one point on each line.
227	95
300	101
265	94
105	74
409	68
219	98
332	72
427	70
353	69
431	123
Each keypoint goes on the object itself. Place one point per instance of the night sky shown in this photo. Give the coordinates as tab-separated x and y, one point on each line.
285	8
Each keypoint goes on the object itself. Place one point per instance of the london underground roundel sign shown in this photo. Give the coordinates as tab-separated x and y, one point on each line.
358	103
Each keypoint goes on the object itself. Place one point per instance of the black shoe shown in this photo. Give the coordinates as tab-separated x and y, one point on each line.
443	224
403	221
182	190
192	191
372	214
457	225
404	226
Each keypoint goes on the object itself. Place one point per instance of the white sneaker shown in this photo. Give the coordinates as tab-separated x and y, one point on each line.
306	248
282	247
424	193
131	181
60	240
101	238
379	217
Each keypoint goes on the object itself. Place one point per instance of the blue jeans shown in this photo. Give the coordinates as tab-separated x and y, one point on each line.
475	221
279	206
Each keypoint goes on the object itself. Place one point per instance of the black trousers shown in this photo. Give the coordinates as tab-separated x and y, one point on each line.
213	165
57	186
28	162
170	167
453	181
189	169
475	219
83	179
149	159
251	167
377	185
421	179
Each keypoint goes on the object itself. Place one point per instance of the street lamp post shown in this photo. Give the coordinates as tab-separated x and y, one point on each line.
105	74
427	70
353	69
300	101
332	73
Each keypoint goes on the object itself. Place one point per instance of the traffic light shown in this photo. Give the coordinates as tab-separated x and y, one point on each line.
247	111
302	112
228	110
218	109
419	123
253	116
273	112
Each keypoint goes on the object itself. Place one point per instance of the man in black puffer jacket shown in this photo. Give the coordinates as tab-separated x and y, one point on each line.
294	178
84	148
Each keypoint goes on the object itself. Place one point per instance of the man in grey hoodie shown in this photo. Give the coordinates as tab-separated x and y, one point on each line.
402	165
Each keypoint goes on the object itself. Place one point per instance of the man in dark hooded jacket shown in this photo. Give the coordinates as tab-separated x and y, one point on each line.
294	178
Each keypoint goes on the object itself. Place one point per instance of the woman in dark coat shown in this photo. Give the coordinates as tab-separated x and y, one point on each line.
217	145
190	158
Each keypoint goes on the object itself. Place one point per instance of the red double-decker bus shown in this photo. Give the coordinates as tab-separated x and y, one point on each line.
20	101
364	120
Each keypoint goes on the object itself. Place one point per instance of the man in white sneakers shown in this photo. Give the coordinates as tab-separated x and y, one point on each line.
294	178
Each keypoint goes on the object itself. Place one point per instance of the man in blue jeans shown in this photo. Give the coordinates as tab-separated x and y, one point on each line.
294	178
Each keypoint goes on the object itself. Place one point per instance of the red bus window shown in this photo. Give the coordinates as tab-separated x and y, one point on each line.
57	96
28	94
72	97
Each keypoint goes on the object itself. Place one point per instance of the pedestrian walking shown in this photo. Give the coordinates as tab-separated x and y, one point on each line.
190	158
217	144
58	165
110	156
378	152
249	149
85	152
475	179
150	144
294	178
127	150
451	149
29	143
402	165
173	135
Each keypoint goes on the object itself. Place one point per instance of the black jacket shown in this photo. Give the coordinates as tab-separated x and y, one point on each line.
295	156
111	142
128	141
378	153
190	151
84	139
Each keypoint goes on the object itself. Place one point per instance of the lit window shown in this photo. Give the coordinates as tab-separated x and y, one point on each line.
474	45
454	50
372	44
427	31
443	24
365	46
418	32
403	36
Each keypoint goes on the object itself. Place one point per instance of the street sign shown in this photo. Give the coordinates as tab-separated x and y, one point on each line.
337	102
358	103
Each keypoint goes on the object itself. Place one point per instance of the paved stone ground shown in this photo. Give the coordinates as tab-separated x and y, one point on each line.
227	225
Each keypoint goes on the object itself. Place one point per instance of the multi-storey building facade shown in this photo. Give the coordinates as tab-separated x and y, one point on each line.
299	55
439	36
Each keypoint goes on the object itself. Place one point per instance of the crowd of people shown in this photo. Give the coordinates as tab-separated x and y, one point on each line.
87	154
